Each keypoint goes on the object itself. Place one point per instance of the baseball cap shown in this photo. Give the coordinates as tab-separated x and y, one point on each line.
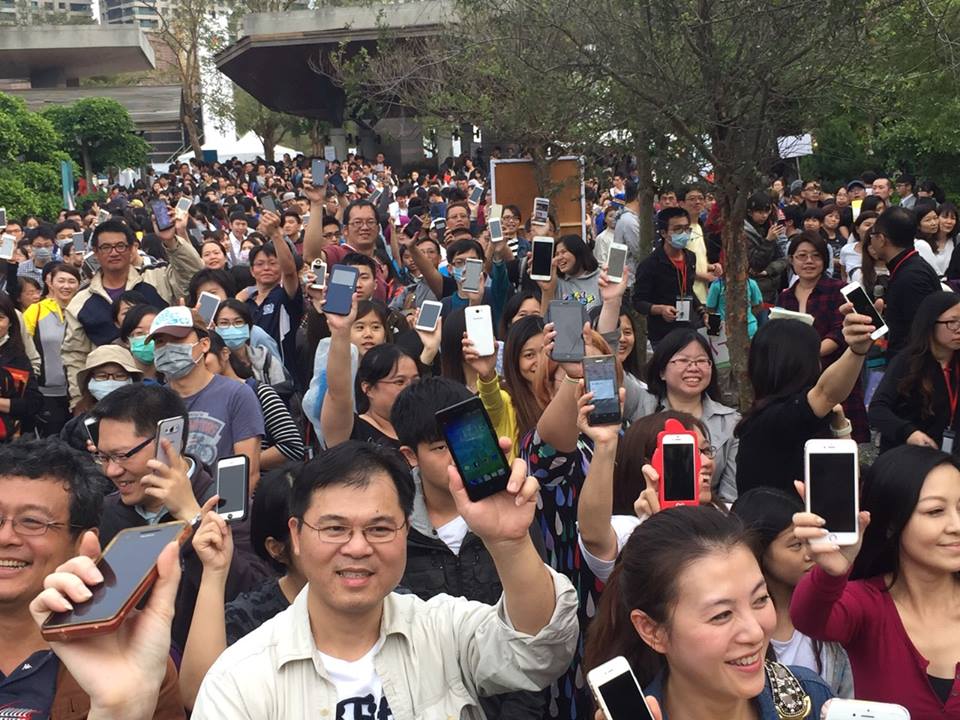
288	196
856	183
177	321
796	187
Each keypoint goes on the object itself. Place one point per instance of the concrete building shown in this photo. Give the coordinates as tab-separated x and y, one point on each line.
32	12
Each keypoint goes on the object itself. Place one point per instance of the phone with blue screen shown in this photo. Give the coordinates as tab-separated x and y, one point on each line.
473	444
600	376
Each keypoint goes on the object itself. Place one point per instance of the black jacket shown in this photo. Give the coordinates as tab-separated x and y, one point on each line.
247	571
18	384
911	280
658	283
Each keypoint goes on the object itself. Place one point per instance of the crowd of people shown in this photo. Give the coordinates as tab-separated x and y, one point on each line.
364	582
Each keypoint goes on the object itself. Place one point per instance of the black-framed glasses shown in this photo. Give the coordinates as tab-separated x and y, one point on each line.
107	249
952	325
27	526
120	458
335	534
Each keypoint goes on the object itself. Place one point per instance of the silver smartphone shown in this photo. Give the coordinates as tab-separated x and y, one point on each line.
171	430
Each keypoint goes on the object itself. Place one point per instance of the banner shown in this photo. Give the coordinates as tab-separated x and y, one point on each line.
66	179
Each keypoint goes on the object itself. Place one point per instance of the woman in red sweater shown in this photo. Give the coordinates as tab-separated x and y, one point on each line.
893	600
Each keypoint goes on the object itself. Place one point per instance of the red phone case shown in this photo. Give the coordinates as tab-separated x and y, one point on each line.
675	427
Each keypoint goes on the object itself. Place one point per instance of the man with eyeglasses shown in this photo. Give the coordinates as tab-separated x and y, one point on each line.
50	498
811	194
349	646
89	316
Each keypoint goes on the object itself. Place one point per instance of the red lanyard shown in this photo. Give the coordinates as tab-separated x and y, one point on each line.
682	275
953	393
893	270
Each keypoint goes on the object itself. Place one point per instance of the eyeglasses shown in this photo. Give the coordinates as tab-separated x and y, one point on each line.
32	527
362	223
952	325
101	376
803	257
236	322
121	458
399	382
118	247
708	452
684	363
342	534
814	187
331	235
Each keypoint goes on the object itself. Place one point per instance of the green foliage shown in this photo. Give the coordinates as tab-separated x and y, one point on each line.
98	132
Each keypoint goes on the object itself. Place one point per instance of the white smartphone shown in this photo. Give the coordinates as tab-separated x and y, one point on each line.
103	216
233	487
171	430
79	242
90	425
541	210
616	262
495	211
183	205
480	329
472	274
855	294
476	195
541	260
496	230
779	313
429	316
843	709
207	307
319	269
617	691
832	478
8	243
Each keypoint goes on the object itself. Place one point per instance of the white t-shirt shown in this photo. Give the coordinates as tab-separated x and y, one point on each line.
453	533
623	526
359	690
798	650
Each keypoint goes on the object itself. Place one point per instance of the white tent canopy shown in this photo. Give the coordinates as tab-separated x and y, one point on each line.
245	148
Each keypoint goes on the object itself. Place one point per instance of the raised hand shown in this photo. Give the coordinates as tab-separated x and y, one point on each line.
342	323
856	329
485	366
171	484
600	434
213	540
834	559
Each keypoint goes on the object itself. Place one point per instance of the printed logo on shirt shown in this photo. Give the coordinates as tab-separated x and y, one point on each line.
362	708
204	437
267	309
12	713
581	297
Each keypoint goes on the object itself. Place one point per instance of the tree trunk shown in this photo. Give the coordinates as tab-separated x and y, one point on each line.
646	192
193	135
734	207
87	169
269	143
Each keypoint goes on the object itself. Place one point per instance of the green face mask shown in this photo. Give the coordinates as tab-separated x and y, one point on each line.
142	351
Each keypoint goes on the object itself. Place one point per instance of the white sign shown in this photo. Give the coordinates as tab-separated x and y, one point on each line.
793	146
329	153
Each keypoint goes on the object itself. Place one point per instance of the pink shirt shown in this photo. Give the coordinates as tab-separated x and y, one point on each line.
862	617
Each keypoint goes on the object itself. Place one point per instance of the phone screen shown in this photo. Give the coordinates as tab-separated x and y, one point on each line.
8	243
474	447
541	210
623	698
429	314
476	194
616	262
542	258
567	318
413	227
269	203
601	376
832	490
471	275
183	204
232	487
677	471
208	307
863	306
318	169
161	214
496	231
124	565
340	276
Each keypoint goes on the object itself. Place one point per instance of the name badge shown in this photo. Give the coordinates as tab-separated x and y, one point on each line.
949	436
684	305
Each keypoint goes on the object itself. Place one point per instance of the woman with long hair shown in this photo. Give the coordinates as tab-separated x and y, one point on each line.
851	254
689	608
916	401
891	599
20	398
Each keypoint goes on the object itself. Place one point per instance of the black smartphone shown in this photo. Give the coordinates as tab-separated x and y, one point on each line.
713	324
318	172
269	202
600	374
161	213
129	568
440	225
540	264
340	289
233	487
473	444
568	318
412	228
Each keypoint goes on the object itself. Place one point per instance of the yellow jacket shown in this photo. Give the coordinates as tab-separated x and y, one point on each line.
499	406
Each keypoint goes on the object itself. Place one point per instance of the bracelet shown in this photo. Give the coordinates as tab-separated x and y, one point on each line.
842	431
863	354
572	380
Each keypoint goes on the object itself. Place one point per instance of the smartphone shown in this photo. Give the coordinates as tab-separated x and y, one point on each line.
207	307
429	316
171	430
476	194
832	478
779	313
713	324
617	691
79	242
269	202
843	709
541	210
196	234
319	268
440	225
568	317
183	205
496	230
475	449
318	170
233	487
541	263
129	568
600	375
91	426
676	460
340	290
103	216
616	262
161	214
855	294
375	196
412	228
480	329
472	274
3	217
8	243
494	211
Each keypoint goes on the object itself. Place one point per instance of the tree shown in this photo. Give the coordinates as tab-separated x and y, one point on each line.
29	161
99	134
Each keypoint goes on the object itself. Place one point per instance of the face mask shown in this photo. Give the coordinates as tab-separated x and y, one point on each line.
142	351
101	388
244	257
42	255
174	361
234	337
680	240
458	274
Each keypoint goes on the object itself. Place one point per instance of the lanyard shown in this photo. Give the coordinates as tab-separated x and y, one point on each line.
953	393
681	275
893	270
